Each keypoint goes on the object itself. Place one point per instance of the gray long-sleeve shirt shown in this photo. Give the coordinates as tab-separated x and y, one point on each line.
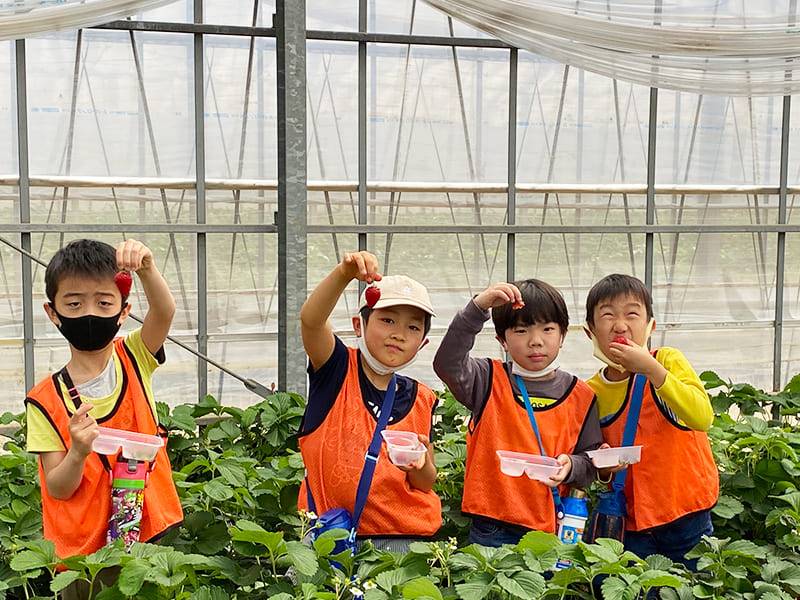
469	379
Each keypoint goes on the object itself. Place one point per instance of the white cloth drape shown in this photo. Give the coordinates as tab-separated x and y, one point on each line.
25	18
742	48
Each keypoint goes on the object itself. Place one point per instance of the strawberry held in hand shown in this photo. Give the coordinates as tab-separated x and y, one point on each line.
620	339
372	294
124	282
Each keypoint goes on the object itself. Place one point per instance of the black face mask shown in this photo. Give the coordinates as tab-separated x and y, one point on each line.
89	332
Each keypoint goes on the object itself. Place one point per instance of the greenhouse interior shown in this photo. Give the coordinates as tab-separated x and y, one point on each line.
594	202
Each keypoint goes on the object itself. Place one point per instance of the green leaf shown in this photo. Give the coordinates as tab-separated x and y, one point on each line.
615	588
420	548
522	585
28	560
537	542
727	507
62	580
132	576
657	578
476	588
303	558
216	490
421	587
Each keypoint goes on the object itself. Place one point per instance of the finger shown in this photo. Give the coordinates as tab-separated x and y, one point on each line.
423	440
85	424
78	415
348	258
359	261
603	446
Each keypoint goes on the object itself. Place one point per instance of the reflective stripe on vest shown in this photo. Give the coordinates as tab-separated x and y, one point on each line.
504	425
334	456
78	525
677	475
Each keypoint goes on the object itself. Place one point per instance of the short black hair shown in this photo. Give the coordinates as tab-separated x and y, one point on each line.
613	286
89	258
367	311
543	304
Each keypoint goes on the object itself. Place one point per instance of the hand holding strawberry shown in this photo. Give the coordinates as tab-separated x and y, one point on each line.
498	295
360	265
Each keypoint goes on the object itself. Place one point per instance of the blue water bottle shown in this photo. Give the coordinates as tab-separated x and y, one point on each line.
572	522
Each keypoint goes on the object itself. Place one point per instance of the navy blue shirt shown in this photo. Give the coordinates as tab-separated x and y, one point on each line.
326	382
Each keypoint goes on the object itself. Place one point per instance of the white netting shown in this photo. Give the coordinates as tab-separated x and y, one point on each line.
731	48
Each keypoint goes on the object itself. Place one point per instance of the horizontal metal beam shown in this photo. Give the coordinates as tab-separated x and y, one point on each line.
568	229
187	228
311	34
451	187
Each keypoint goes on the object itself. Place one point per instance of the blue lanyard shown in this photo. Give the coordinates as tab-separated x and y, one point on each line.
524	391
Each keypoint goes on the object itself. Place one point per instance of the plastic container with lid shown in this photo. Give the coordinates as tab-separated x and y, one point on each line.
611	457
540	468
404	447
136	446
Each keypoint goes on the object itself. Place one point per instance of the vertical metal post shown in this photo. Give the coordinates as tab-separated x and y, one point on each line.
290	29
650	213
200	201
24	212
511	238
362	127
781	252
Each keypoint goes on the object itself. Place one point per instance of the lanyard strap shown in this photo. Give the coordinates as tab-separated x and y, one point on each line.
532	418
631	424
75	396
370	460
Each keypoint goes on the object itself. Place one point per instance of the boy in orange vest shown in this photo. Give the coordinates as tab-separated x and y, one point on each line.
530	320
670	493
106	382
347	387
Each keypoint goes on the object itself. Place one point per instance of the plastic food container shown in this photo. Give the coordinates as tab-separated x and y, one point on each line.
404	447
611	457
540	468
136	446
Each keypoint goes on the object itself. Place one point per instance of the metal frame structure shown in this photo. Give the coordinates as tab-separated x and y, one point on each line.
290	224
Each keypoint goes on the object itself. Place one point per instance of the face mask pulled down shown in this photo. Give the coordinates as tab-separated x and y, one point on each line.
374	363
600	355
89	332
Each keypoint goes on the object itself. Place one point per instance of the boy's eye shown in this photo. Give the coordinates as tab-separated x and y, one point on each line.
414	328
73	304
633	313
387	320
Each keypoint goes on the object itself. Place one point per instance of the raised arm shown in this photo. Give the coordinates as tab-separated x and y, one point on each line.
317	332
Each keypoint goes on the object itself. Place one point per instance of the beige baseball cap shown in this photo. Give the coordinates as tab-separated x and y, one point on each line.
397	290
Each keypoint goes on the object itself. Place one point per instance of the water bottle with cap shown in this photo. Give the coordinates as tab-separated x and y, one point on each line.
571	521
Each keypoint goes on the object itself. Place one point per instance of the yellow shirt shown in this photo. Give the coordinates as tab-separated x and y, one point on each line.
682	394
42	437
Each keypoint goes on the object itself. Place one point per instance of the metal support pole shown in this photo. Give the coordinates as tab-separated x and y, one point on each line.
290	28
650	214
511	239
200	201
781	253
362	127
24	212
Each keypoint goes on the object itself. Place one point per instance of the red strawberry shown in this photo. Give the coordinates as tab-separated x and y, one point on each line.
620	339
372	294
124	282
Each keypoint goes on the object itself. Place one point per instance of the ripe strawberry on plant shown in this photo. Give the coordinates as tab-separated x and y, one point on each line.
124	282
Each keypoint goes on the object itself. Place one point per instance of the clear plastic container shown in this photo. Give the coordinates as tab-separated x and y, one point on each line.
404	447
611	457
540	468
136	446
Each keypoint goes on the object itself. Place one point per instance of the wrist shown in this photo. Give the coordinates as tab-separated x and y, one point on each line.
78	455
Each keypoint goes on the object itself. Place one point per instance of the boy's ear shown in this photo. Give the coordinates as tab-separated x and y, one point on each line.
502	342
126	310
587	329
357	325
51	314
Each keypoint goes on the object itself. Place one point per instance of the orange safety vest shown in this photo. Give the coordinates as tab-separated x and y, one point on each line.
504	425
677	475
79	525
334	452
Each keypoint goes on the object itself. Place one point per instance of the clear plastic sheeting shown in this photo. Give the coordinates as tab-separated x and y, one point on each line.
26	18
714	47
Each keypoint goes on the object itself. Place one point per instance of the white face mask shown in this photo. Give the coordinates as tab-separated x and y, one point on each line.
374	363
599	354
517	369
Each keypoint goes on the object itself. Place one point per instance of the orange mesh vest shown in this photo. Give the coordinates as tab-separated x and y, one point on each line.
504	425
78	525
677	475
334	453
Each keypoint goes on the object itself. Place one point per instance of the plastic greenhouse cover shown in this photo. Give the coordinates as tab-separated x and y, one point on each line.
25	18
729	48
